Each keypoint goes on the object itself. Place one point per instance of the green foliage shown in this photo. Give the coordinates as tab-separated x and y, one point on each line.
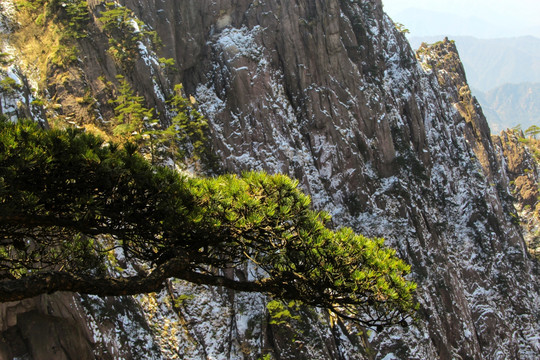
516	129
182	299
514	218
65	55
72	14
30	5
37	102
22	150
529	138
185	137
132	116
401	28
5	59
280	313
533	131
9	86
69	21
167	63
189	126
125	32
60	189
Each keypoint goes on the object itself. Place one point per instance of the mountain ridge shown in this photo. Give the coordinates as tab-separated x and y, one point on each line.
492	63
502	73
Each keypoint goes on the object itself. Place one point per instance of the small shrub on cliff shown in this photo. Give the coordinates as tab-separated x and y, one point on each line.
72	14
533	131
125	32
401	28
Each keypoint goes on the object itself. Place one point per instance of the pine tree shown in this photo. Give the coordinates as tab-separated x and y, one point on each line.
189	126
73	14
60	191
131	114
533	131
184	139
125	32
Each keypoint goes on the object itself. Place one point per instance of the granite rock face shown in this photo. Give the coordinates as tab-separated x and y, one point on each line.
390	142
520	165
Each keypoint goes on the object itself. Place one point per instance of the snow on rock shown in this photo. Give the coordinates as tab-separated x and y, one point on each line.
7	16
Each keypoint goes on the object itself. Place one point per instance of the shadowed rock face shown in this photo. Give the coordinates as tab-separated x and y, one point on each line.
283	67
64	326
330	92
27	328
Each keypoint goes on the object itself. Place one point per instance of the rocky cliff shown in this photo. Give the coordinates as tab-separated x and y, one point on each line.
520	157
331	93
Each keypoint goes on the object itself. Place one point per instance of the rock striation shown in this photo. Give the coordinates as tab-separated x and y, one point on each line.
390	142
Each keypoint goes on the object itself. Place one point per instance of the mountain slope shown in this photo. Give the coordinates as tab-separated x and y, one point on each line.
332	94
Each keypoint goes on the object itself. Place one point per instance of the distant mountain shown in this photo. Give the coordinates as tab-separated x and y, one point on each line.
511	104
496	124
423	22
490	63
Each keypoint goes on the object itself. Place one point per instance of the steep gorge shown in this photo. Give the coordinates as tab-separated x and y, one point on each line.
329	92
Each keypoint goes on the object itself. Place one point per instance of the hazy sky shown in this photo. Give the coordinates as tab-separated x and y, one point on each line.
512	17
